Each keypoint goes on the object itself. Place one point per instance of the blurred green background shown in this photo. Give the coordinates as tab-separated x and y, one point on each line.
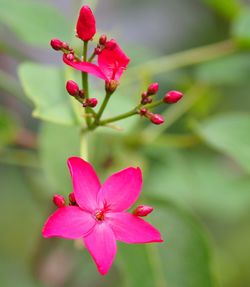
196	166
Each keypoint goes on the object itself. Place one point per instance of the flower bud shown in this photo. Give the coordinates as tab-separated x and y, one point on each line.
92	102
156	119
103	39
70	57
59	200
111	44
72	88
146	100
57	44
86	27
143	111
72	198
143	210
98	50
172	97
111	86
153	89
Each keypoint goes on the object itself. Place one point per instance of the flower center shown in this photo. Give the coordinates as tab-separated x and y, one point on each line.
99	215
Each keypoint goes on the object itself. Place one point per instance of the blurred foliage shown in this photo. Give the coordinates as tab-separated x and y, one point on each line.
196	166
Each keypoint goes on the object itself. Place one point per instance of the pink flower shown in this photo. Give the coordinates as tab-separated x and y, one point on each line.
100	217
111	63
86	27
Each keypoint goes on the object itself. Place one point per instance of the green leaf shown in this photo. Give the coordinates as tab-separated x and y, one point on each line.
8	128
199	180
45	87
240	28
56	144
230	135
227	8
34	22
230	70
183	259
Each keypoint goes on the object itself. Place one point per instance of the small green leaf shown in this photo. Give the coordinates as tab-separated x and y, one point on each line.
240	28
45	87
183	259
230	135
34	22
57	144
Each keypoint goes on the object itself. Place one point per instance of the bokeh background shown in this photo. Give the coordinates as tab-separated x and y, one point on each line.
196	166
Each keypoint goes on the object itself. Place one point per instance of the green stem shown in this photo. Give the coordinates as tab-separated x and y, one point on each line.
133	112
102	108
84	144
85	82
91	58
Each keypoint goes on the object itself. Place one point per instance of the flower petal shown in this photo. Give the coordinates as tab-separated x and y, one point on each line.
85	183
86	67
121	189
132	229
113	62
101	244
69	222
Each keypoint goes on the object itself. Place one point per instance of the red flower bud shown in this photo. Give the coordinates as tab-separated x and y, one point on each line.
59	200
143	210
172	97
72	88
146	100
85	27
103	39
156	119
70	57
111	44
57	44
72	198
98	50
143	111
153	89
92	102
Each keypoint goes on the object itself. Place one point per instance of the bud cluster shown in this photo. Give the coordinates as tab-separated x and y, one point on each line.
146	97
147	103
73	90
154	118
111	63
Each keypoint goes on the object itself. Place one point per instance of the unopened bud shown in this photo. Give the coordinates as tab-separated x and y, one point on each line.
146	100
143	210
172	97
72	198
98	50
86	26
56	44
59	200
70	57
72	88
156	119
143	111
103	39
92	102
81	94
111	44
111	86
153	89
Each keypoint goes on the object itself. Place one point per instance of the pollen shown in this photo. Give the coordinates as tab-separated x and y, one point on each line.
99	215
